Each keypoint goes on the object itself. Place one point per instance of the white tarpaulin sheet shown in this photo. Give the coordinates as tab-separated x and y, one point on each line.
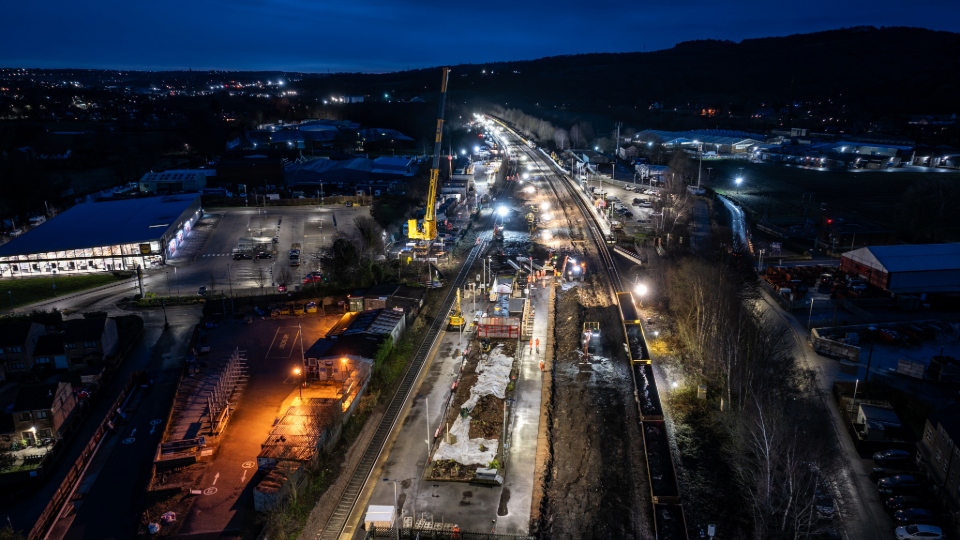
466	451
494	378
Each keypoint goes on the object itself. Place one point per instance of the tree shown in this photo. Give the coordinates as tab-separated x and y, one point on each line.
260	278
561	138
283	277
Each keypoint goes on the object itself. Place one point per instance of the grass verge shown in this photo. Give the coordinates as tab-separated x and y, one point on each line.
17	292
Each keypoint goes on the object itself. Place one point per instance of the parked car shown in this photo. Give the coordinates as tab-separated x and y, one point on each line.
348	204
825	506
263	255
628	214
202	291
281	288
313	277
891	458
914	515
903	501
882	472
242	257
899	485
919	532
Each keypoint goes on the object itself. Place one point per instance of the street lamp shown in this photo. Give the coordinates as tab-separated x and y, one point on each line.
739	181
297	372
641	290
395	505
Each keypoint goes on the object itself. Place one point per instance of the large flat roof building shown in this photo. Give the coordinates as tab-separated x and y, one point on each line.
104	236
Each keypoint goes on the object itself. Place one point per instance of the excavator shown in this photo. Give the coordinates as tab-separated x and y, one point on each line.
428	231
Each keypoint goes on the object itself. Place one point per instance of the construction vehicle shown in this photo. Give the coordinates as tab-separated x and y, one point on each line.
485	345
498	232
456	316
428	231
532	221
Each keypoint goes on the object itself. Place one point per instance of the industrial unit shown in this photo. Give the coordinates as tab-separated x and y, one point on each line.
906	269
104	236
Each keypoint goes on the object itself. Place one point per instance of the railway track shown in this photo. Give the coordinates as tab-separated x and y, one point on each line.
668	517
361	475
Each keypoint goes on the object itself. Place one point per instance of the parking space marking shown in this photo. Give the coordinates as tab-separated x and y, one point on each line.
283	343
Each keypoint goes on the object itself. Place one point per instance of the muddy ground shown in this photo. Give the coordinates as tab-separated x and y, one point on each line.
596	485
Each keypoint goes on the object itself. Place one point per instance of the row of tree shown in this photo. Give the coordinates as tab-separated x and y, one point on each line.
776	442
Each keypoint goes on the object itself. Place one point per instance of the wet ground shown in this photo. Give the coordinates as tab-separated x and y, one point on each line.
596	484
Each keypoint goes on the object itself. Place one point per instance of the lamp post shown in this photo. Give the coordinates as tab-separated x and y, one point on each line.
297	372
164	306
810	316
739	181
177	280
853	406
395	504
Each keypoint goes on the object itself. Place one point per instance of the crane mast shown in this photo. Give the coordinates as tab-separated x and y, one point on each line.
429	230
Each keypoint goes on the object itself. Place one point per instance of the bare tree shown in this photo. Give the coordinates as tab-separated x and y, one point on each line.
213	281
561	138
260	278
283	277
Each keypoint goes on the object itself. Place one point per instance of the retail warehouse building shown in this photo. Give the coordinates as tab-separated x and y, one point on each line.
104	236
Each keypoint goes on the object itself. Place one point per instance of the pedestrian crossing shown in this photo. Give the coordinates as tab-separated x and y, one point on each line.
216	254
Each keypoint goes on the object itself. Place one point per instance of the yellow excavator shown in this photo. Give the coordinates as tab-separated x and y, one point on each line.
456	316
428	231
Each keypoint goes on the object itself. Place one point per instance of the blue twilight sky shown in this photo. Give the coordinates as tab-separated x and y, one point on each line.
389	35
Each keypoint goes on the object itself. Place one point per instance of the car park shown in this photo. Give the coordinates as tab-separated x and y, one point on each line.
242	257
891	458
919	532
914	515
899	485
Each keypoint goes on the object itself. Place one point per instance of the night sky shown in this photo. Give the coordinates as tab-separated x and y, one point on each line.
389	35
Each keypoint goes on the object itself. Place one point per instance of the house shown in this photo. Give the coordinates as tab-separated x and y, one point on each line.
939	454
87	341
50	352
40	411
17	343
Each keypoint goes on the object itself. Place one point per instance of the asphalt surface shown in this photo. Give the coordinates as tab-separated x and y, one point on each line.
24	510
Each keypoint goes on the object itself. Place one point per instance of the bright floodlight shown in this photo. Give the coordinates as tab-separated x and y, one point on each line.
463	152
739	181
574	261
545	205
476	149
641	289
526	175
502	211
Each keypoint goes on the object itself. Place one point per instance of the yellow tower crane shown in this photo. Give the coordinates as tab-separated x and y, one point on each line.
428	231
